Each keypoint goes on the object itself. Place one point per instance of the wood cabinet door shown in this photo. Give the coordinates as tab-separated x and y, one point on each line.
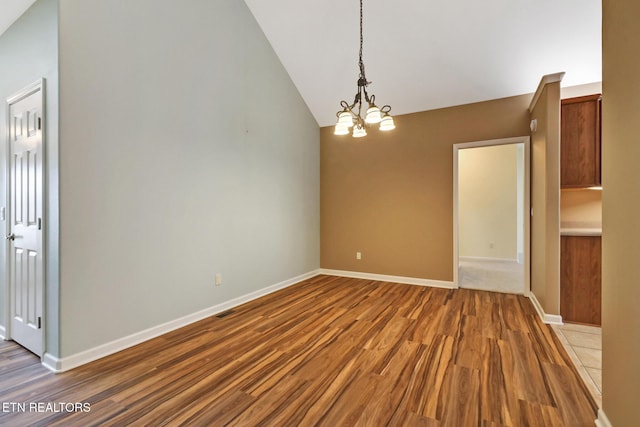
580	142
580	279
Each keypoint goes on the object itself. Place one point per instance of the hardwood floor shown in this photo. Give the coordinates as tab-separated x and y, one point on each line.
328	351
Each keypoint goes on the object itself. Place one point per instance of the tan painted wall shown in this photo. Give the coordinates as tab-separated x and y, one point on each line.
545	200
488	208
621	212
390	195
581	208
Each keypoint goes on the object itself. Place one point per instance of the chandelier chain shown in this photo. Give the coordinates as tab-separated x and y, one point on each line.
361	62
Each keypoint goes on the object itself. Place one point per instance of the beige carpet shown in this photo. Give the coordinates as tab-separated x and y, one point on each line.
487	275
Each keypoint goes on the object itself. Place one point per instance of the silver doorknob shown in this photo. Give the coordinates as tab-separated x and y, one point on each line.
11	237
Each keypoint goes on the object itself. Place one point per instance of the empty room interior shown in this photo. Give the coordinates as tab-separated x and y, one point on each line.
445	237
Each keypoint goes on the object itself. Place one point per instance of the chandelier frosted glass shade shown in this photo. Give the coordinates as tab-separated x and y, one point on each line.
345	118
359	131
373	115
341	130
387	123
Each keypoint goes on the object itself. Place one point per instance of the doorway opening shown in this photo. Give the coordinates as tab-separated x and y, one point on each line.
491	215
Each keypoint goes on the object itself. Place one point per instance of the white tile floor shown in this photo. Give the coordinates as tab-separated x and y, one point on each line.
584	346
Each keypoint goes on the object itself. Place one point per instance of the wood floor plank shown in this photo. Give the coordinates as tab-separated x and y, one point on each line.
352	400
427	386
494	382
561	379
470	344
326	351
530	381
460	398
387	400
210	412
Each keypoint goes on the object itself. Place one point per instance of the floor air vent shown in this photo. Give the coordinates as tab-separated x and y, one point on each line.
224	314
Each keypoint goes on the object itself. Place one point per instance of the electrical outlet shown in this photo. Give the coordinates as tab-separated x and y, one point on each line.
218	279
358	255
491	245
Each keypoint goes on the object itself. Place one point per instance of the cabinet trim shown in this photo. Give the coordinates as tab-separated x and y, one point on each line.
586	98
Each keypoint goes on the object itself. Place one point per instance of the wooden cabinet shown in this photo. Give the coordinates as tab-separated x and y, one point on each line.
580	142
580	279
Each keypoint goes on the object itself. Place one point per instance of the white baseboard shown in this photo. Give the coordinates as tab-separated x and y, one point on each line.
602	420
3	333
550	319
386	278
69	362
52	363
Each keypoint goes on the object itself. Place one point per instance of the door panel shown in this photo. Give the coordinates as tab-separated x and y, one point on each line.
25	259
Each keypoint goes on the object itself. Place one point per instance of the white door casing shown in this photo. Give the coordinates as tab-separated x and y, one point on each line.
526	220
25	217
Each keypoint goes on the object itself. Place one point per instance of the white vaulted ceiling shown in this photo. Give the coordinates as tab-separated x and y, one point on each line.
11	10
422	54
426	54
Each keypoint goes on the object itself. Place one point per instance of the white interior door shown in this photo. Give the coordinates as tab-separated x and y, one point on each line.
25	269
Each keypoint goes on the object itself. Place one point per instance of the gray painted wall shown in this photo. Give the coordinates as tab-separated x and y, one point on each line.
28	52
185	151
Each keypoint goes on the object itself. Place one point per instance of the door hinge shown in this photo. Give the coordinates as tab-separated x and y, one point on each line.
39	123
39	223
39	322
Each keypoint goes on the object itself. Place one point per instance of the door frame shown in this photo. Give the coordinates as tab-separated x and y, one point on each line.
526	211
38	85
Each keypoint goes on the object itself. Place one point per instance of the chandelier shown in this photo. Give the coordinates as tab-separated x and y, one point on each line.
351	114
